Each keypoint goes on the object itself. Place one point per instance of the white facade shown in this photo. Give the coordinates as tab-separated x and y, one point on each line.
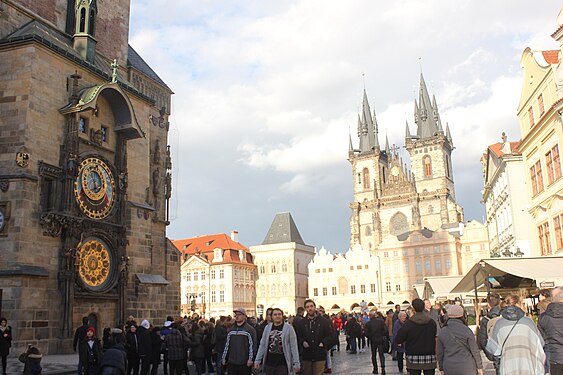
344	281
506	200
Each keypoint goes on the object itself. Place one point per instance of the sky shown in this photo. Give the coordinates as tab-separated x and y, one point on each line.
266	93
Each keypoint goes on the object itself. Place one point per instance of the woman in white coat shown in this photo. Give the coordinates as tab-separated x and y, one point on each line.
278	351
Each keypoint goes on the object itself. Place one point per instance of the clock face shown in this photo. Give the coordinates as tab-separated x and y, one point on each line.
95	264
94	188
395	171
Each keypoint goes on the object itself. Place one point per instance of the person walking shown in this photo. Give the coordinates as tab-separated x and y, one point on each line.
551	323
493	303
314	338
144	339
377	332
278	351
176	343
79	336
197	348
90	352
220	338
5	342
418	335
241	345
516	341
399	349
353	330
156	346
457	352
132	347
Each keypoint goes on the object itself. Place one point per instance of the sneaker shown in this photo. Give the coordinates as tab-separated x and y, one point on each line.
374	371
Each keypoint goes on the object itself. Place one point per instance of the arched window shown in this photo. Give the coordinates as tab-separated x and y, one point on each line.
82	24
91	24
447	160
427	165
273	291
365	176
368	230
273	268
284	267
398	224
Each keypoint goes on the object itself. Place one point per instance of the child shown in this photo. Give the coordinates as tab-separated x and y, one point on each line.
32	361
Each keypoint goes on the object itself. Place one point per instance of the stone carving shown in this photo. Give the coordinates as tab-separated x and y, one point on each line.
156	152
4	185
96	137
160	121
398	224
156	181
53	225
168	186
22	159
123	180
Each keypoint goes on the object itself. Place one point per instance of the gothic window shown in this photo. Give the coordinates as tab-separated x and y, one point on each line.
365	176
368	230
398	224
427	165
447	160
274	290
284	267
82	24
91	24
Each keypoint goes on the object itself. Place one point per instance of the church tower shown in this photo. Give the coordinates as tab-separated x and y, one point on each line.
430	151
369	166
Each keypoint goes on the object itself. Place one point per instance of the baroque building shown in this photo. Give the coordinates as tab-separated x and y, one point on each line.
217	275
85	173
282	261
539	114
506	200
409	217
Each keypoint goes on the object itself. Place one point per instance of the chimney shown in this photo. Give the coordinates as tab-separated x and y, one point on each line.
234	235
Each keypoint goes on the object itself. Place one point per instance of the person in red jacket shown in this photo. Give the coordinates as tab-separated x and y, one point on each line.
337	324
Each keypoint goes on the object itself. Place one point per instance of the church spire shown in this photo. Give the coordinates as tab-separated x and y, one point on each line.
367	127
85	12
426	114
407	131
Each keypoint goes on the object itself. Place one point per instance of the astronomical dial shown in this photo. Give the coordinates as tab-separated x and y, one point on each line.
95	264
94	188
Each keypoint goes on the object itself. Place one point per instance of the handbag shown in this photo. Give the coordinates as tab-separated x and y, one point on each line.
386	344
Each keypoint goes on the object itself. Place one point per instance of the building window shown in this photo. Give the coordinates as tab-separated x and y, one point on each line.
543	236
273	268
388	286
531	116
427	166
325	291
398	287
536	178
436	249
83	125
426	250
213	296
553	164
221	296
448	264
202	295
467	248
105	133
418	266
427	267
284	267
333	290
386	254
416	251
362	288
365	176
351	268
366	266
330	270
212	273
406	267
316	292
372	288
196	276
202	275
358	267
221	274
540	104
352	289
558	234
405	252
438	265
189	276
262	269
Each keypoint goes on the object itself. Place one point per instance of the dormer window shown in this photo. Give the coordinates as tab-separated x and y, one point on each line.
217	255
242	256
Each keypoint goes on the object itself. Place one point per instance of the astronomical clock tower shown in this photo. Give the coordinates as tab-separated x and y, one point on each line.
85	174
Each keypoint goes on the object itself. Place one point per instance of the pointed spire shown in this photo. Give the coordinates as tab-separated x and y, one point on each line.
387	150
416	117
350	147
426	112
368	127
448	134
407	130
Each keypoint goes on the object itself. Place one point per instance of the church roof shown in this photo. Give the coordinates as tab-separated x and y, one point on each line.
283	230
496	148
551	56
136	61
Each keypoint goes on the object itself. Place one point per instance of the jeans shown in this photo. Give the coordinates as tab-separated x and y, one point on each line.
375	349
426	372
219	365
353	344
400	359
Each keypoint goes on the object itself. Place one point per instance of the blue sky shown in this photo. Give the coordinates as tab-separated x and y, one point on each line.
266	92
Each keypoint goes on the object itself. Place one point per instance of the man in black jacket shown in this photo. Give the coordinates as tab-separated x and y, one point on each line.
377	332
241	346
493	301
145	346
551	322
419	336
314	337
79	336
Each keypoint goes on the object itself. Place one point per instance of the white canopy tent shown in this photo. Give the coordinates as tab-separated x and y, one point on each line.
539	272
440	287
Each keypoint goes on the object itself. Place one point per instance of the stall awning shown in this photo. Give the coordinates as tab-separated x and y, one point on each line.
544	272
440	287
419	290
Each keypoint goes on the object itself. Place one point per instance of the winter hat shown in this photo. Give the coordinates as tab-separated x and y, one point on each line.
145	324
91	329
455	311
167	323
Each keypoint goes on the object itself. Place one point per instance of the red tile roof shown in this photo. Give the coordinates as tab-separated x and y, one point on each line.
496	148
551	57
204	246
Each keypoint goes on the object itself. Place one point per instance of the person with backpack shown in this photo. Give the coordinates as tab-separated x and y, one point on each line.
515	342
493	302
32	361
551	322
457	351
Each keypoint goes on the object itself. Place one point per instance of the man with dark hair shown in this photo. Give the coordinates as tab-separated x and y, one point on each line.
493	302
314	338
377	332
240	346
419	336
79	336
551	322
260	327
